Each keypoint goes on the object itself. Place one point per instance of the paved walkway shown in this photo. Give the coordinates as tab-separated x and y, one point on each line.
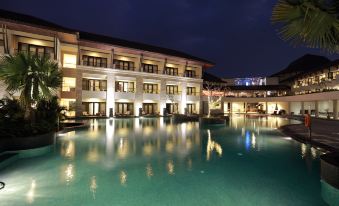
325	133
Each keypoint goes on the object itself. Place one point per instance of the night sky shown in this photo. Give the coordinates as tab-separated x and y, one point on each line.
237	35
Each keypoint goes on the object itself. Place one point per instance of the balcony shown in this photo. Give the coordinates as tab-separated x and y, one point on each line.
127	68
151	95
86	94
92	64
40	54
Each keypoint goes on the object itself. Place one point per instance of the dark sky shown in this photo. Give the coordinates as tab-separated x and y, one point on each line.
237	35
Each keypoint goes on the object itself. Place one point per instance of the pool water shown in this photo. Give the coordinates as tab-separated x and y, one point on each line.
150	161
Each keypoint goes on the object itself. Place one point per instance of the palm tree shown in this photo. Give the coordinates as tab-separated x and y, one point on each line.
34	77
314	23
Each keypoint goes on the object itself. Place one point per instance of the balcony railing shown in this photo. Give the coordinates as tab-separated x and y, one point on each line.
132	90
95	89
155	71
173	93
40	54
193	93
151	91
92	64
129	68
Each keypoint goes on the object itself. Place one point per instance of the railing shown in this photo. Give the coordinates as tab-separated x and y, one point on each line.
156	71
95	89
126	91
117	66
172	73
151	91
193	93
190	75
91	64
40	54
173	93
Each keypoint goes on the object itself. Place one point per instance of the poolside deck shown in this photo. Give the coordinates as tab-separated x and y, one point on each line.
325	133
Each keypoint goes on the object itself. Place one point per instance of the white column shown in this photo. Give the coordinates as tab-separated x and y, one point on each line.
163	96
110	94
316	108
139	95
183	97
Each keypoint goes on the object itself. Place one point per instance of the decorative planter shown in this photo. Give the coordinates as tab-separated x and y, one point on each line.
24	143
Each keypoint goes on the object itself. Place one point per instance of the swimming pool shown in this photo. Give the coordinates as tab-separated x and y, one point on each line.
150	161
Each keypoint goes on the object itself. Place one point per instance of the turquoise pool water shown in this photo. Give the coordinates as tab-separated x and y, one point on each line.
149	161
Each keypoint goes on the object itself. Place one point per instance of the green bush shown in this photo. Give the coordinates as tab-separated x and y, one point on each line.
44	118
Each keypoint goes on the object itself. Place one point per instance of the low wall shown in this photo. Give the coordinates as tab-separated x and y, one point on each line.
23	143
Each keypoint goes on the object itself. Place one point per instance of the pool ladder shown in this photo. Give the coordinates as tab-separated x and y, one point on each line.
2	185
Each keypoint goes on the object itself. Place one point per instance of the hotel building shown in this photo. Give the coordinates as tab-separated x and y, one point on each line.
309	85
105	76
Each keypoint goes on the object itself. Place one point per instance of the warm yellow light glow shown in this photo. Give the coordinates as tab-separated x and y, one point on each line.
148	131
70	61
93	186
68	84
123	148
169	146
149	171
123	177
69	173
212	145
148	149
303	150
170	167
93	154
68	149
30	196
314	152
253	142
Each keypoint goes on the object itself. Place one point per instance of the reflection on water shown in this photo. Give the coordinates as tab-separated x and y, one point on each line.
123	177
149	170
170	167
211	146
30	196
145	149
93	186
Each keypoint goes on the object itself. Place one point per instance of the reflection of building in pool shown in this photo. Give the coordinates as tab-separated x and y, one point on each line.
309	85
212	146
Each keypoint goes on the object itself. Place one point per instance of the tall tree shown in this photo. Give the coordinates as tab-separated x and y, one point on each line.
34	77
314	23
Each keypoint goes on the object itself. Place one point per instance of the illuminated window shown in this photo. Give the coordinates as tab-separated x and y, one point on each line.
69	104
70	61
68	84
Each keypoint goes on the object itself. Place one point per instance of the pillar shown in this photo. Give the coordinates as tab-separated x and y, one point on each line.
266	107
163	96
289	108
110	100
316	108
302	108
183	97
335	109
139	95
78	94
